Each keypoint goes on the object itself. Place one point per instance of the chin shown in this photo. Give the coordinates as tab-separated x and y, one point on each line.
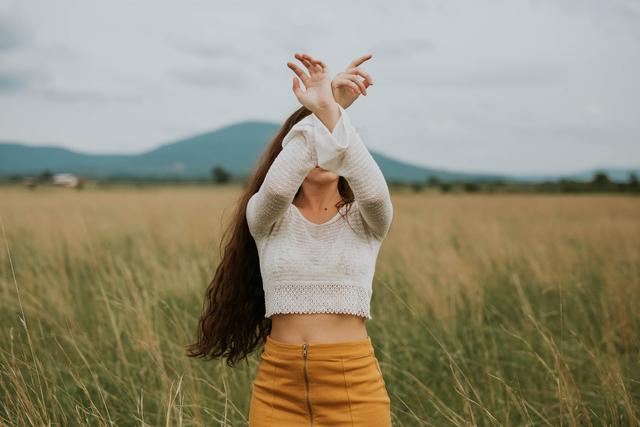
321	174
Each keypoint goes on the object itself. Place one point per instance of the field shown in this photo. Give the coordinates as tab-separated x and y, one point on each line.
487	309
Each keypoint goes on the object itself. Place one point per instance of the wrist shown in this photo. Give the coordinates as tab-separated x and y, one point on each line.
329	115
327	107
342	102
339	99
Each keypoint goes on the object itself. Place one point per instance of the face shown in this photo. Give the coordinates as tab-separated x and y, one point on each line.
319	175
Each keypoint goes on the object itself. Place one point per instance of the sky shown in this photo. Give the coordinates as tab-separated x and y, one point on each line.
524	87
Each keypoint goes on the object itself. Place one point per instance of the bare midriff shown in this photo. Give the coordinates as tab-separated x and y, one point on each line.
296	328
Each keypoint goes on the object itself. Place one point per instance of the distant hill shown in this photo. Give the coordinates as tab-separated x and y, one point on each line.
236	148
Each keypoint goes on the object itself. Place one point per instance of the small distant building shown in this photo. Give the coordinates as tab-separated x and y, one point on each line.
67	180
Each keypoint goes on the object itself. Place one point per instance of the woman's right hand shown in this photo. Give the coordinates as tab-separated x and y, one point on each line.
318	95
347	86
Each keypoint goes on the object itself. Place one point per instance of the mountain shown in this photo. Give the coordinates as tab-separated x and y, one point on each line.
236	148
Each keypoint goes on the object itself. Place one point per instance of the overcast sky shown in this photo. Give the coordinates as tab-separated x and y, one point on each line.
490	86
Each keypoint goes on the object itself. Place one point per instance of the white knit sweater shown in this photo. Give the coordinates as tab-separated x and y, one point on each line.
320	268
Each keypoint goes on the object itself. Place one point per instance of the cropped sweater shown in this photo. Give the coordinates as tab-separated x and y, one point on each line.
320	268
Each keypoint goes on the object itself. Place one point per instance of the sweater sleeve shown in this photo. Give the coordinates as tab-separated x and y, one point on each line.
310	143
285	175
344	154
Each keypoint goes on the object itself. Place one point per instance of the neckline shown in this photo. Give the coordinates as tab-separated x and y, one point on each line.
329	221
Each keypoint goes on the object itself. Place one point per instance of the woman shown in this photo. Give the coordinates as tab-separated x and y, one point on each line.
297	272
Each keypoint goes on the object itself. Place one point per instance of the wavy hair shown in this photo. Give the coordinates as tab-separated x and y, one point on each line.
232	323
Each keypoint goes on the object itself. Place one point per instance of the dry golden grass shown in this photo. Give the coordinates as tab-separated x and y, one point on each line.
487	309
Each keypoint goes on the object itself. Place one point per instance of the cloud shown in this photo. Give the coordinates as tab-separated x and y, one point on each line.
291	32
465	84
584	133
211	77
83	96
493	76
214	50
12	35
403	48
14	78
40	83
11	82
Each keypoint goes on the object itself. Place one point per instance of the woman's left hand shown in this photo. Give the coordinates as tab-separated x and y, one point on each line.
346	86
317	95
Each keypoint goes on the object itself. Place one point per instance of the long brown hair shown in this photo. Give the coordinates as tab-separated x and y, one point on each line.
232	323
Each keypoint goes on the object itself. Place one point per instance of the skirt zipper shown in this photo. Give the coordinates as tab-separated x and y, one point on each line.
306	380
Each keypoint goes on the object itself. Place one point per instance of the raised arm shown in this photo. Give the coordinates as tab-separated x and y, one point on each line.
287	172
352	160
310	142
344	154
284	177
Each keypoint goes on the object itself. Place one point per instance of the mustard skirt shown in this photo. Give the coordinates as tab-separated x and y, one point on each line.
319	384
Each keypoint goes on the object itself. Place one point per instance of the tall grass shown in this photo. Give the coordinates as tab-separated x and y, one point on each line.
487	309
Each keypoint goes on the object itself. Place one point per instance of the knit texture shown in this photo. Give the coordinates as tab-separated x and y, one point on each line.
329	267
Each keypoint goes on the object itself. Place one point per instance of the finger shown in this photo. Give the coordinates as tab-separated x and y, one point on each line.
315	61
298	72
362	73
358	82
346	82
296	88
304	61
315	64
354	82
310	66
356	62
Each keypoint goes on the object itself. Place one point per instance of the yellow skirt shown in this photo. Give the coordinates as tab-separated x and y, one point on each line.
319	384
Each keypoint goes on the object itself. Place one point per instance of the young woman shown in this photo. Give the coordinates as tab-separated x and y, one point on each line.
297	271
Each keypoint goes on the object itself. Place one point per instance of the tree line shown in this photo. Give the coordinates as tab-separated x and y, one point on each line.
600	183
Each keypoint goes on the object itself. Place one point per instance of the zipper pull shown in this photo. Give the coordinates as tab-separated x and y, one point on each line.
304	349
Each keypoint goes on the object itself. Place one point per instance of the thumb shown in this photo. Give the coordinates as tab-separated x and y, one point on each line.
296	88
